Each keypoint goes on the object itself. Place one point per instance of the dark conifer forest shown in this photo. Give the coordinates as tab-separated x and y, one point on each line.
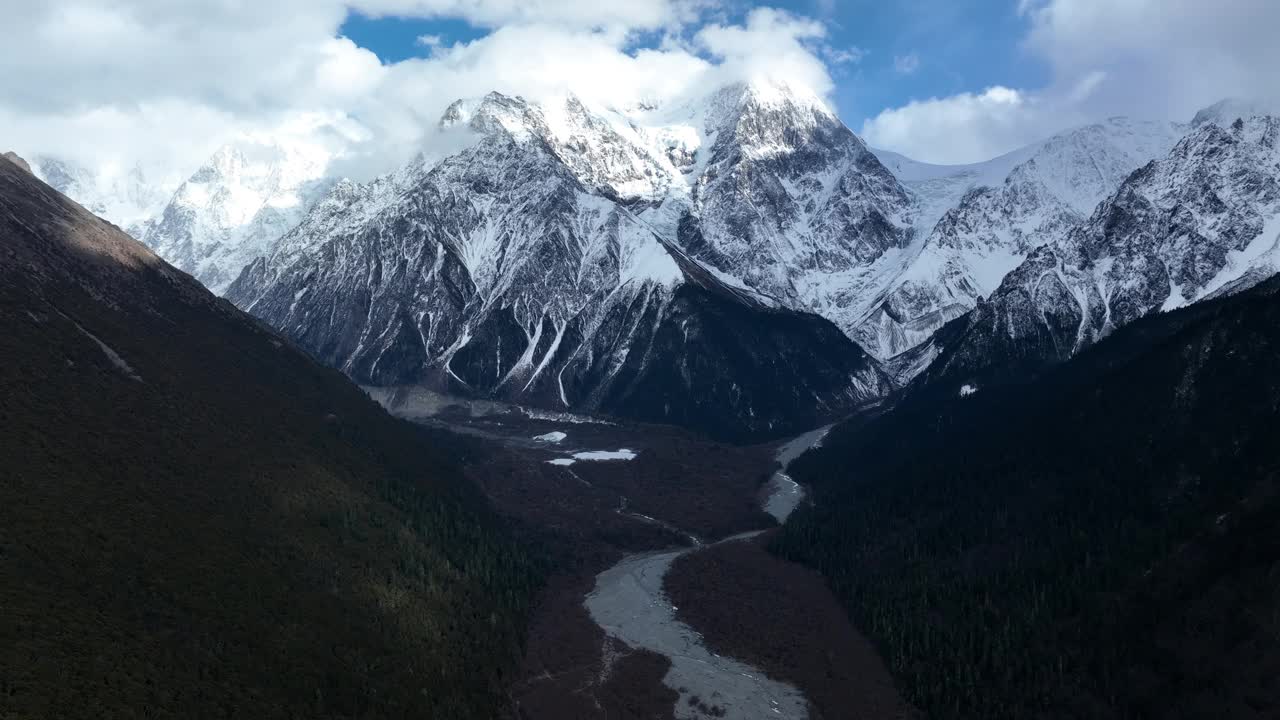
1099	541
197	520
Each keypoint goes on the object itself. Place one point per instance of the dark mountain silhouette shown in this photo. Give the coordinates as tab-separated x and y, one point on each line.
198	520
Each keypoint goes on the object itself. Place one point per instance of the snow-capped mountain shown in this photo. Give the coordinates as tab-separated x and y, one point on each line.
1047	190
759	182
127	197
570	255
539	265
1202	221
233	208
777	194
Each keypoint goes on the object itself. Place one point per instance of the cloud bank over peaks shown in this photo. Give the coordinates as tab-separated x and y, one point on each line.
1151	59
163	84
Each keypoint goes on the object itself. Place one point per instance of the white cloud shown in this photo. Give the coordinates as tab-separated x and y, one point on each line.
962	128
772	44
1144	58
579	14
906	64
162	82
1169	57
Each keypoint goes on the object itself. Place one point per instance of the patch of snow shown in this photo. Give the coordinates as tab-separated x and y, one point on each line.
536	414
967	390
601	455
644	258
1175	300
112	355
1261	252
562	462
551	437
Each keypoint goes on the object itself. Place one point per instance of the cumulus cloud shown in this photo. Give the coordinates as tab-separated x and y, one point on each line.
153	81
161	83
771	44
1144	58
961	128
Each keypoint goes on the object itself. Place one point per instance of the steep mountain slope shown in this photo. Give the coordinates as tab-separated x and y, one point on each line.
524	267
1203	221
1054	186
1100	542
236	206
16	160
198	520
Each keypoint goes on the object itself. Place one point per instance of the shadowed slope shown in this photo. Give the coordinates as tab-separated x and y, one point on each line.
197	520
1098	542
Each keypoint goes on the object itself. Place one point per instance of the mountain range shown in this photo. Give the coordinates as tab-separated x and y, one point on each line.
1202	222
627	261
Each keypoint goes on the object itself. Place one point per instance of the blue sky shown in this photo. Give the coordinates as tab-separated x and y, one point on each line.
909	49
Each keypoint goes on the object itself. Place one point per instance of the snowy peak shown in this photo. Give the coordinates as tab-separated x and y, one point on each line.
608	152
231	210
774	194
1228	110
764	102
601	147
496	113
763	120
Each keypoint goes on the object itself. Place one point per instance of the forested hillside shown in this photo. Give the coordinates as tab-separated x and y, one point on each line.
1102	541
197	520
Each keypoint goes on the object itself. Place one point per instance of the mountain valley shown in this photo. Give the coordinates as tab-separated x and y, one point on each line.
685	409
